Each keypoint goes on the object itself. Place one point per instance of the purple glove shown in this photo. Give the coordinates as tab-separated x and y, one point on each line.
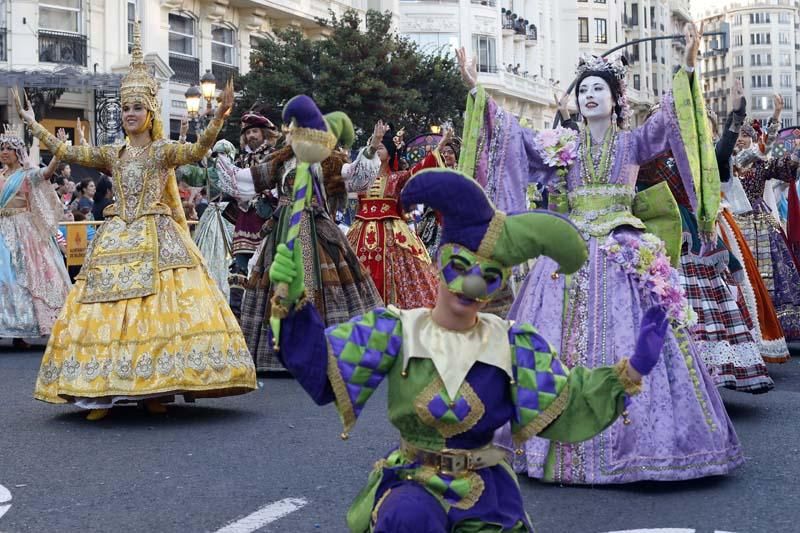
651	339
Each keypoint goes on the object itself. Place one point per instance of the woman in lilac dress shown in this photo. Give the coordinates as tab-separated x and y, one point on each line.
678	427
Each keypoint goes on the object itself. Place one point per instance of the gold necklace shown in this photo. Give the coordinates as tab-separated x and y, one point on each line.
135	151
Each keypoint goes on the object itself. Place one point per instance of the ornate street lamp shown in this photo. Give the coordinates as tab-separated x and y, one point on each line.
193	96
208	85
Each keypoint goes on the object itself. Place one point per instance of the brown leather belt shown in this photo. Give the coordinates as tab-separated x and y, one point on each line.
452	461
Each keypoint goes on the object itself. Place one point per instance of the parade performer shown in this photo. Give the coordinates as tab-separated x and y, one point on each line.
776	263
767	329
144	321
258	139
678	427
393	254
723	331
33	280
335	280
455	375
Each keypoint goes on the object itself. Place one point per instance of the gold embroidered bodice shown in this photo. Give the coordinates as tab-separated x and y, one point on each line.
145	230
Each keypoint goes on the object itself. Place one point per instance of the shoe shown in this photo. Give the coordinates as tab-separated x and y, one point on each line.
97	414
155	407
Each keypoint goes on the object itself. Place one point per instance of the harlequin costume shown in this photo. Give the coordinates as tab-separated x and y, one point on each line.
723	331
335	279
33	280
450	390
679	428
392	253
144	319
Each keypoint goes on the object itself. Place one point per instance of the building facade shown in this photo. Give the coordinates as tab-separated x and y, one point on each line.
762	54
520	46
83	46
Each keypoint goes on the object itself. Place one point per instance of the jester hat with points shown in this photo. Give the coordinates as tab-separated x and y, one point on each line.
470	219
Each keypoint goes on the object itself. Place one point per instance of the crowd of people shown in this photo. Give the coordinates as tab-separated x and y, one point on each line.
655	273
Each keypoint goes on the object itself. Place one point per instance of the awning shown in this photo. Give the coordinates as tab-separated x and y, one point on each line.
65	77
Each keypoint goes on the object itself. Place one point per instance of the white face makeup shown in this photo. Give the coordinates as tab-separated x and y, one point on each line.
594	98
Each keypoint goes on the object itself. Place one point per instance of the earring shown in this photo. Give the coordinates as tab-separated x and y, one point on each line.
614	117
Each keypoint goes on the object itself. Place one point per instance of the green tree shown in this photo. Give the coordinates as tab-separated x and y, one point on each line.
370	74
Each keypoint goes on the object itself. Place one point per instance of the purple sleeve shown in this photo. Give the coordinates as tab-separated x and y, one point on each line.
658	134
304	352
508	160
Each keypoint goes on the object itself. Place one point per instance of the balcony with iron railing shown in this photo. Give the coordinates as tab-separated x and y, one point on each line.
223	72
187	69
62	48
3	44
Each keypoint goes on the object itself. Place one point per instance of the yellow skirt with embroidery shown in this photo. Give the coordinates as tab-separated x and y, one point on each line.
183	339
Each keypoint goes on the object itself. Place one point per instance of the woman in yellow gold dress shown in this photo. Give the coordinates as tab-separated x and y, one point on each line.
144	320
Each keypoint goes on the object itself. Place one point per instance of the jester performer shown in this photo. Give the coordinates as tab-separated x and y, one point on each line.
455	374
335	279
145	321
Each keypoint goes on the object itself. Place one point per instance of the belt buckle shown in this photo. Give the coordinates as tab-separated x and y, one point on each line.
454	463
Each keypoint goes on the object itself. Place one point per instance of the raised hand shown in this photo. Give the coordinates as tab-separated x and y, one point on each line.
652	332
778	106
61	135
562	104
693	38
80	134
25	111
469	71
737	95
377	134
226	100
184	127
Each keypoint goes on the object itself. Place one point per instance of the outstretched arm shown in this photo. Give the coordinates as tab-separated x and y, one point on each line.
83	155
177	154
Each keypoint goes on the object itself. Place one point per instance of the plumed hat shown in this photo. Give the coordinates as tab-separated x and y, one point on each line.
256	118
470	219
138	86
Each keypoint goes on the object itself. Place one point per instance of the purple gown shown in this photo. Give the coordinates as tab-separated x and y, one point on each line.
677	427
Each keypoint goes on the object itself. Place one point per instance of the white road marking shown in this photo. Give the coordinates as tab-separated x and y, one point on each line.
662	530
267	514
5	497
656	530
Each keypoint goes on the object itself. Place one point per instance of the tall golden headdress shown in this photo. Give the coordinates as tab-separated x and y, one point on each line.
138	86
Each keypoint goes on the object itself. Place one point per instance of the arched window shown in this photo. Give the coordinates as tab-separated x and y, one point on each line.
183	48
223	45
224	52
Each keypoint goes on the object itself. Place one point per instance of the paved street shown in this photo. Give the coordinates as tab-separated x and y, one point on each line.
227	462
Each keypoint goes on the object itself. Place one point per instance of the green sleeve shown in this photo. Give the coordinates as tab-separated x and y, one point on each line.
596	399
698	141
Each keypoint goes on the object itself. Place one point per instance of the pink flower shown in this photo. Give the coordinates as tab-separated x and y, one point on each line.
548	138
